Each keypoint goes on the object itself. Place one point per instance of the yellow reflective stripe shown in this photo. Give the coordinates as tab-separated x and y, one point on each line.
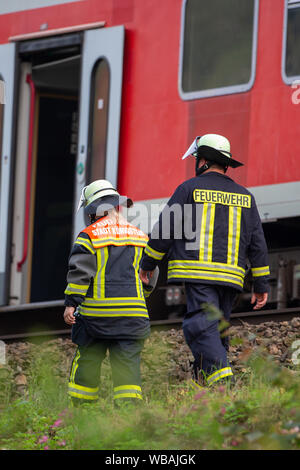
83	388
263	271
118	241
238	234
234	233
81	395
79	391
113	312
79	286
128	395
207	232
102	292
74	366
126	387
154	253
219	374
203	232
215	266
115	301
99	280
86	243
196	385
127	391
76	289
230	235
211	231
147	293
136	263
205	275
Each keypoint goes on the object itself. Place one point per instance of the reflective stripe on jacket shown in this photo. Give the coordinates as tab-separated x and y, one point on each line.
103	279
209	229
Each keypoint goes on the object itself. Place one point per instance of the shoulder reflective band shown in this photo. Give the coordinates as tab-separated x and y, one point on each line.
86	243
221	197
263	271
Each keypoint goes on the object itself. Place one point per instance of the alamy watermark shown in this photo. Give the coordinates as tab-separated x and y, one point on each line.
177	222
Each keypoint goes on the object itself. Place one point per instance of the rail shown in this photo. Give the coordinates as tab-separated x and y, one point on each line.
45	319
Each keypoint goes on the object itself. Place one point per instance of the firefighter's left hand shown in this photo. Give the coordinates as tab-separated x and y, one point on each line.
145	276
69	315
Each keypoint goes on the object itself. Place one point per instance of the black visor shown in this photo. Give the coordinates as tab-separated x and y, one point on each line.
211	154
106	203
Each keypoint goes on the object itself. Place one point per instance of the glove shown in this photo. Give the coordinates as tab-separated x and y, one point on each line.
149	288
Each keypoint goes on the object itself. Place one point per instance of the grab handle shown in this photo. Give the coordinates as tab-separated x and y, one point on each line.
29	173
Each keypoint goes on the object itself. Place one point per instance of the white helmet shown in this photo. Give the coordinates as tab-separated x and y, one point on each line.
101	196
213	147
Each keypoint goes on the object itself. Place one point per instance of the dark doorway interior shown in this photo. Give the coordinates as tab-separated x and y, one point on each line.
54	193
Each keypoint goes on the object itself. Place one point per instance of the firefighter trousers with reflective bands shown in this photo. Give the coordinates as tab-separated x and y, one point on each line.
124	356
202	332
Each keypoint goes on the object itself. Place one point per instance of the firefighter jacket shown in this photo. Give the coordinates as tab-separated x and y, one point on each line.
103	279
209	230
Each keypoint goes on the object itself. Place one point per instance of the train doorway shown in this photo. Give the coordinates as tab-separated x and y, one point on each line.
54	194
46	194
67	134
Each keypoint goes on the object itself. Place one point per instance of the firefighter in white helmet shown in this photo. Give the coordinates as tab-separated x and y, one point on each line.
104	297
208	245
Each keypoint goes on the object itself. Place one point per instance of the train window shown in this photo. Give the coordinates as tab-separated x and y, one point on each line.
218	47
291	42
98	120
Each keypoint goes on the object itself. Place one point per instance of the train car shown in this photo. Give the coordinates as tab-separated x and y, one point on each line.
119	89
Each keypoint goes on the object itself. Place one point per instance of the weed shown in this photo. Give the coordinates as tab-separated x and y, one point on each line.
261	411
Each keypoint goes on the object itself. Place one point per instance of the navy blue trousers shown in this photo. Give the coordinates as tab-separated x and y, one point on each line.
202	334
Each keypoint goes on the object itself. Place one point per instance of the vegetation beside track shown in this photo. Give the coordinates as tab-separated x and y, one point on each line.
261	411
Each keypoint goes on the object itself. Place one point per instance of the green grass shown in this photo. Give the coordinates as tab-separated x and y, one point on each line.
261	411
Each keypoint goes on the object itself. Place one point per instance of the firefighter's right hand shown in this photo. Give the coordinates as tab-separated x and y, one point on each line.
259	300
69	315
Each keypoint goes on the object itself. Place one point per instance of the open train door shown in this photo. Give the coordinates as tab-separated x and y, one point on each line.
7	83
100	110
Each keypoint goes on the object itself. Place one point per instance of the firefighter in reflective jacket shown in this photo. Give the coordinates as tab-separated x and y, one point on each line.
209	229
104	298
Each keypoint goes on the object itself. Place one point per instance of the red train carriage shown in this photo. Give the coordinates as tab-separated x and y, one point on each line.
118	89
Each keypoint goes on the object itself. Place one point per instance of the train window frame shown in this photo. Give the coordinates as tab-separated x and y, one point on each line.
226	90
288	4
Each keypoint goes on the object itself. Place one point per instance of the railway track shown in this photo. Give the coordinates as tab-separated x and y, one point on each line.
45	319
